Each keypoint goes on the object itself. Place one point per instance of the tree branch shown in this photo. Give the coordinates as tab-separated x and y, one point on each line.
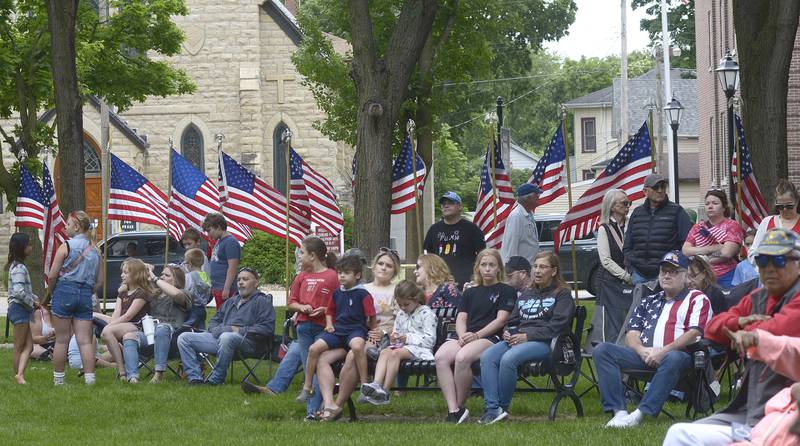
362	39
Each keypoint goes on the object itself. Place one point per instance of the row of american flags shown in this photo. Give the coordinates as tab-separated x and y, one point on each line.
246	200
626	171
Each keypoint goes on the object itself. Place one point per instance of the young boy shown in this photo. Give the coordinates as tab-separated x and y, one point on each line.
198	287
348	318
191	239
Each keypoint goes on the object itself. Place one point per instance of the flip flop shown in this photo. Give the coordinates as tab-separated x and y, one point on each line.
331	415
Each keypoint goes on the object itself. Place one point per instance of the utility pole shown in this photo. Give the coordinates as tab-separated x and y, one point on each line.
665	43
623	57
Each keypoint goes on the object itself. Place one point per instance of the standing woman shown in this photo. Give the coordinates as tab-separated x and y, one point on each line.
21	302
719	238
482	314
612	304
74	276
433	275
786	200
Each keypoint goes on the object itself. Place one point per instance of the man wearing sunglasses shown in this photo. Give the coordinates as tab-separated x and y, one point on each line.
774	308
655	228
456	240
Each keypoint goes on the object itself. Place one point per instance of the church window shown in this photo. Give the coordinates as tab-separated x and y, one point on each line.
192	146
91	161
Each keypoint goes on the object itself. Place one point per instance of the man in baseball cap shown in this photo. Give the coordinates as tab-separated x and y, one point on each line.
456	240
520	237
518	273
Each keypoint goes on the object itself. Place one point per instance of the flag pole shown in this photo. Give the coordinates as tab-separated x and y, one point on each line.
169	199
287	139
738	144
106	180
491	120
410	127
569	199
650	132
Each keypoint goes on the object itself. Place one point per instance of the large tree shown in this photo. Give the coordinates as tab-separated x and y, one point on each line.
765	36
111	60
680	20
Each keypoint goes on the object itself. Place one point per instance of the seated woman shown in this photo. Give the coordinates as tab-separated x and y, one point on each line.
542	312
482	313
719	238
133	302
44	335
170	308
433	275
702	278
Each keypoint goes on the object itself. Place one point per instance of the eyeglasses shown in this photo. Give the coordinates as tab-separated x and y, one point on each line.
671	272
777	261
780	207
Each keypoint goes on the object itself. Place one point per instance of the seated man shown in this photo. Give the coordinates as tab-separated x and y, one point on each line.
775	309
243	322
518	273
661	326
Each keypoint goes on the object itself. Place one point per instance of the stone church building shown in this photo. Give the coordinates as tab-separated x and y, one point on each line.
238	53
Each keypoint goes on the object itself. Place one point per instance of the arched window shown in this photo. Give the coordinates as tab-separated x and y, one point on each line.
279	158
91	161
192	146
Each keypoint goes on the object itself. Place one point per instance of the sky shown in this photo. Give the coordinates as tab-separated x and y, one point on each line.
596	30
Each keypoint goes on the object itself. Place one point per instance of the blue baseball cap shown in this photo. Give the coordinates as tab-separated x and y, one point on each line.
675	258
527	189
450	195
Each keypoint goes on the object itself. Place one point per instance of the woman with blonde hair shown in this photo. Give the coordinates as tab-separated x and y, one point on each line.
74	276
786	201
482	314
433	275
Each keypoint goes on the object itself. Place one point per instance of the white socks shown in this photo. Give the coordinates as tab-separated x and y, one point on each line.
89	378
58	378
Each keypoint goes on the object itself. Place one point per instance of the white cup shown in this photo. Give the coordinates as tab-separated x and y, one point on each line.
149	328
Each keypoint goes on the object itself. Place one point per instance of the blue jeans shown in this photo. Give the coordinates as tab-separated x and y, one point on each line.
637	278
190	344
611	358
499	364
307	333
161	347
72	300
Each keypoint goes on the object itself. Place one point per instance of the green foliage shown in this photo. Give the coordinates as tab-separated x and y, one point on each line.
348	226
680	19
267	254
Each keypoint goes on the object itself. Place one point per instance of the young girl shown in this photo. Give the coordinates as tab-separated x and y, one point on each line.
21	302
413	337
133	302
482	313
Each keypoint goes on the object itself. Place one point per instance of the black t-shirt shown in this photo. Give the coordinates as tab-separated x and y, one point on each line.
481	303
458	244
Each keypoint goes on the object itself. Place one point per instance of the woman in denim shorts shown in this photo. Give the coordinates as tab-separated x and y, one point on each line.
21	301
75	273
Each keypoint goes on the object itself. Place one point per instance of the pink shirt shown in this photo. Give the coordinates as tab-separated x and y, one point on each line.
726	231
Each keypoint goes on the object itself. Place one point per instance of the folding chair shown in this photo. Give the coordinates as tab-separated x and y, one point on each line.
263	352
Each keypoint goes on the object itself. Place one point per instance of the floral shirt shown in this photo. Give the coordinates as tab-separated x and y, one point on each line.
446	295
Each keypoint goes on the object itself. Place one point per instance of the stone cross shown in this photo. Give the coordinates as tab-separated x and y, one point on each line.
280	78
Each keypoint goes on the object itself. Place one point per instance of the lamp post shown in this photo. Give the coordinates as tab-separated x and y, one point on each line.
728	75
674	110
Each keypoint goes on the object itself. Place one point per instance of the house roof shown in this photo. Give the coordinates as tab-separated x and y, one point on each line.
642	91
288	23
599	98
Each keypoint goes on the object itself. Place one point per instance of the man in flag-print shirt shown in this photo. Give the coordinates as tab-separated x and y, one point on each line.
662	325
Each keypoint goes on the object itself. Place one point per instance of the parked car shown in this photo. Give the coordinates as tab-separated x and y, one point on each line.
145	245
587	260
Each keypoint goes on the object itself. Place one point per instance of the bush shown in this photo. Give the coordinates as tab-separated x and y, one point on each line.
266	253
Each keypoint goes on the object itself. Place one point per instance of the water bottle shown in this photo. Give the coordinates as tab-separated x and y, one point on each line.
149	328
700	360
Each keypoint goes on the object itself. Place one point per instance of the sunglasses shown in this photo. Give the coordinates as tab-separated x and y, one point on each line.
777	261
659	187
247	269
391	251
781	207
625	203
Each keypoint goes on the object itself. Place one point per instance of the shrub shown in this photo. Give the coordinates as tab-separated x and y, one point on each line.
266	253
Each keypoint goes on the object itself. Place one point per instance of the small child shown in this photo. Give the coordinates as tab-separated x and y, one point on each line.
198	287
413	337
353	313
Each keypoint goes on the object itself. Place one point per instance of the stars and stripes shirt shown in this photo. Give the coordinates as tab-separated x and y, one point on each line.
661	321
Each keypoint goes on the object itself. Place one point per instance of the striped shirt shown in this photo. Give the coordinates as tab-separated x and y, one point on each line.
661	321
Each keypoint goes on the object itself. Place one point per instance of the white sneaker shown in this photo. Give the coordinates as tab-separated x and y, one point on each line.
634	419
618	417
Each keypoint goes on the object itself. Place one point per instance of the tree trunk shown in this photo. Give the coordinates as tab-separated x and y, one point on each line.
765	33
381	84
34	262
61	17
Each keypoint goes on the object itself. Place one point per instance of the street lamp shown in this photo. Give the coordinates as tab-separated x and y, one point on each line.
674	110
728	74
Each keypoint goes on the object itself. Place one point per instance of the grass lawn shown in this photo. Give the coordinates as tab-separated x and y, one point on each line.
178	414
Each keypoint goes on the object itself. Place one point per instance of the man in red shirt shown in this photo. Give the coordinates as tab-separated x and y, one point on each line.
774	308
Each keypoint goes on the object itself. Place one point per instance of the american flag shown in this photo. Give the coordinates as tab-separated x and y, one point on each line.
133	198
549	171
490	205
314	195
753	208
55	226
30	201
626	171
353	179
193	197
251	201
403	199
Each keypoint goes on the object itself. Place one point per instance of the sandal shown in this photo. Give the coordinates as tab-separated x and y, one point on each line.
330	415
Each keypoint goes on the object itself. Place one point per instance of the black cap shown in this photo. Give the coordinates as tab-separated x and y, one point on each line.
517	263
